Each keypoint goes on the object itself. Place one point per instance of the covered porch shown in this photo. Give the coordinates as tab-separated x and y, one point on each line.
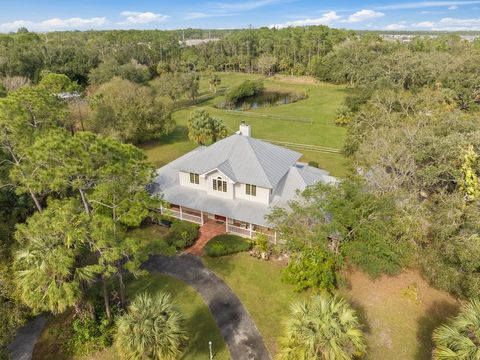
232	226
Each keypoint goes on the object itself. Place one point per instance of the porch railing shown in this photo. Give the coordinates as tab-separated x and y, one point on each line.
245	232
182	215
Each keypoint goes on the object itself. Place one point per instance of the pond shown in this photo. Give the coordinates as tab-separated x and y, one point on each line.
266	99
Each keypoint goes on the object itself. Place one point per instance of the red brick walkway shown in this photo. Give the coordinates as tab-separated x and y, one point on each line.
209	229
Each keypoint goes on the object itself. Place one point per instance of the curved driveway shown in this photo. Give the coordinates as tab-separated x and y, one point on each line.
239	331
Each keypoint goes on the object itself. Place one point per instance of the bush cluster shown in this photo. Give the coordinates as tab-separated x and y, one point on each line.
226	244
182	234
245	89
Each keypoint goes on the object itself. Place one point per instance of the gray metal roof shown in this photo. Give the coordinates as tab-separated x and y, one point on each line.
243	159
297	177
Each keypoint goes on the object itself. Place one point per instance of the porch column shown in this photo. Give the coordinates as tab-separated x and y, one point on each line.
251	230
181	214
226	224
201	215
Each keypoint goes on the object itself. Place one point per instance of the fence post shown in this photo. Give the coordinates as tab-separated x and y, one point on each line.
250	230
275	242
181	214
226	224
201	215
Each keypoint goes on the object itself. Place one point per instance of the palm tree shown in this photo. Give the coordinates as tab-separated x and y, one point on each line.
151	329
460	339
324	328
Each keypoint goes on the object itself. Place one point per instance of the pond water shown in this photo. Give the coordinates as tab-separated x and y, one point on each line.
266	98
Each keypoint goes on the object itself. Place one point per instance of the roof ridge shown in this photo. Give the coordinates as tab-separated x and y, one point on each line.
249	140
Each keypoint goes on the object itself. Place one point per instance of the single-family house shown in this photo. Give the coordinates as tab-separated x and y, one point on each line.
237	180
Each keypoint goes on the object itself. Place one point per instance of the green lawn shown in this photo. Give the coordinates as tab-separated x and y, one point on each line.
398	322
318	110
258	285
200	324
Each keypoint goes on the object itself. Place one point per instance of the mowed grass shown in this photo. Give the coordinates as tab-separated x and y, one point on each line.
315	125
399	313
200	324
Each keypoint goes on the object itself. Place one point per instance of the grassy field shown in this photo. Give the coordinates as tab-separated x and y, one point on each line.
316	126
200	324
399	313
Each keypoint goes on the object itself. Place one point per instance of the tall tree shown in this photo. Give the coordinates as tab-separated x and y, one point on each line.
48	270
203	128
129	112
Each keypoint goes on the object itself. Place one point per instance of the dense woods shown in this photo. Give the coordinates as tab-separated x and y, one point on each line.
412	197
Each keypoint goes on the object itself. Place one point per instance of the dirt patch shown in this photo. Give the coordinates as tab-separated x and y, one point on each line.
399	312
292	79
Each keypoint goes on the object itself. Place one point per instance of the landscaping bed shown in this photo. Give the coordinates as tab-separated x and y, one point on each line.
226	244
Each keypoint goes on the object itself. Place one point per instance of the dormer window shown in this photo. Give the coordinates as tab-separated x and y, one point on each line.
219	184
194	178
251	190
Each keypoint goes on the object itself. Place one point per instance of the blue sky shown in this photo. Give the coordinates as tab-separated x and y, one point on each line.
148	14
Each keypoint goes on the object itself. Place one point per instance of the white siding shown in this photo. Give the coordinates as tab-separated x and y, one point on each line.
263	194
209	185
185	181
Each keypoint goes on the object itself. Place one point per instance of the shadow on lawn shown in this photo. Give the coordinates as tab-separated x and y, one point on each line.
434	316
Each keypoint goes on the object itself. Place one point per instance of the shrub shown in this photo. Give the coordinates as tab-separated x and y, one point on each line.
91	332
152	328
182	234
246	89
226	244
313	164
311	268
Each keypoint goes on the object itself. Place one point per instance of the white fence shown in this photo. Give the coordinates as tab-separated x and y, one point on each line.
245	232
182	215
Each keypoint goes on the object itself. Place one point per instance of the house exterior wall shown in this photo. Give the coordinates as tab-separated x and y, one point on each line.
263	194
185	181
234	190
229	194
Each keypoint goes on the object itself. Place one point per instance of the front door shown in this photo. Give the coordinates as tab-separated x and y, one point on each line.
220	218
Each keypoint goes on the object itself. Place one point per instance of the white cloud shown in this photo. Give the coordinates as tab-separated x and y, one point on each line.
424	24
57	24
136	17
459	24
201	15
395	27
427	4
325	19
453	7
364	15
243	6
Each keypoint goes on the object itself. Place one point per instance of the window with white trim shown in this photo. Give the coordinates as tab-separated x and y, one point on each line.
219	184
251	190
194	178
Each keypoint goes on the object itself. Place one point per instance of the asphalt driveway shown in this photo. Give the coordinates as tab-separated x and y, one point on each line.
239	331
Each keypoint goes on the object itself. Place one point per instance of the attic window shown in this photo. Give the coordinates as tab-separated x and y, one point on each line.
251	190
194	178
219	184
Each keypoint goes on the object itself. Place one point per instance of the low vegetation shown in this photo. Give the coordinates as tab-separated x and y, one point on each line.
323	327
226	244
182	234
151	328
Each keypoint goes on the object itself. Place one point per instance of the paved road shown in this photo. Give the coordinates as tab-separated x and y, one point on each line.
239	331
22	346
